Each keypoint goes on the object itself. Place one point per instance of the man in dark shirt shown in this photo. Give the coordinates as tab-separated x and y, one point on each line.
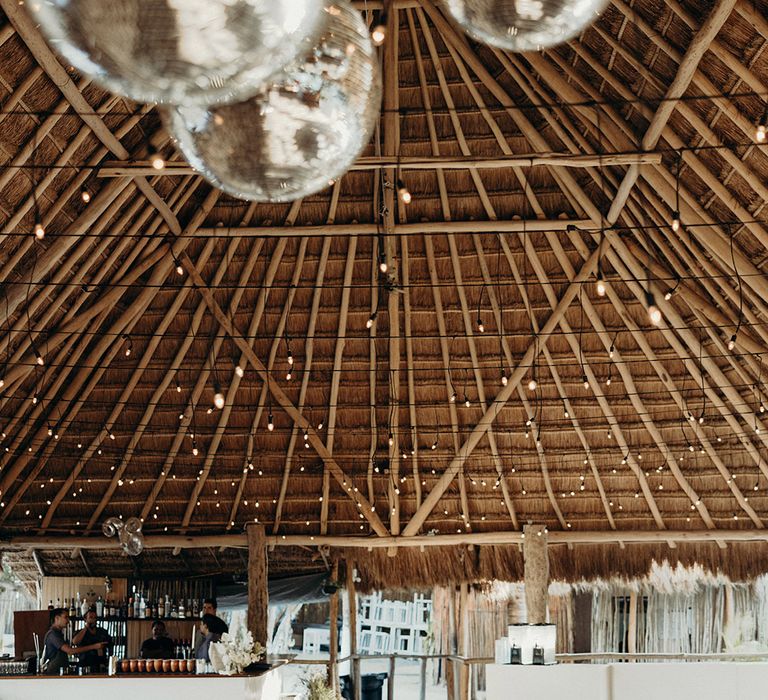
159	646
92	634
210	607
56	651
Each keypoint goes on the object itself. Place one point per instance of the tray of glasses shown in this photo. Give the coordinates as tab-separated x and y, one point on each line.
13	668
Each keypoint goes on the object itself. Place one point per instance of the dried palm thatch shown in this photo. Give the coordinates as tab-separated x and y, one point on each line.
527	182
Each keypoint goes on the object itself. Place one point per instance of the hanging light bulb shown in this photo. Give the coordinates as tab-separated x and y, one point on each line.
565	413
379	33
732	342
404	193
453	398
290	357
288	375
270	422
761	131
611	351
467	402
178	388
585	381
320	425
218	396
676	221
39	358
157	161
532	384
85	195
383	264
39	231
504	380
601	286
434	445
195	451
239	371
654	313
391	440
179	268
371	320
480	325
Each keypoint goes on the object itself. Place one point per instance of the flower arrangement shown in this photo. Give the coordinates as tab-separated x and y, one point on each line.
318	689
235	652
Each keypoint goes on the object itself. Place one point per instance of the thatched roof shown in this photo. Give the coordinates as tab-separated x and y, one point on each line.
515	244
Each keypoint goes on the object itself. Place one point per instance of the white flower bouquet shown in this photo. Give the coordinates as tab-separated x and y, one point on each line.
235	652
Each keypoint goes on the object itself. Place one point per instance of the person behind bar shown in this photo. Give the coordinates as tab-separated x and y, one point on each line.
89	635
56	651
211	629
210	607
159	645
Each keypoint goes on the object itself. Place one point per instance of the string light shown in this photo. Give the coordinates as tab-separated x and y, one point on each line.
391	440
129	345
239	371
371	320
601	286
289	375
290	357
654	313
379	33
85	195
676	221
195	451
403	193
39	231
480	325
39	358
157	161
218	396
179	268
532	384
453	398
732	342
467	402
433	446
270	422
761	131
178	387
504	379
585	381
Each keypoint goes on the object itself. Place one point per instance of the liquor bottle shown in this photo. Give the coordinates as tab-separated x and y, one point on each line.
83	607
174	610
50	604
195	609
182	612
99	607
161	608
130	608
142	607
148	610
72	609
137	611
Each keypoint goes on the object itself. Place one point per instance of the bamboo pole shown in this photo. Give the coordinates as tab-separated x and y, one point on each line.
352	594
333	645
135	168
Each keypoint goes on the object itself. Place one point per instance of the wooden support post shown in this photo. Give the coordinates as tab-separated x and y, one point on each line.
423	686
352	594
391	679
536	573
632	626
333	645
463	638
258	600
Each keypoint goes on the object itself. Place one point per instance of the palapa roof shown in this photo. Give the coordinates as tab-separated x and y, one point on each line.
530	174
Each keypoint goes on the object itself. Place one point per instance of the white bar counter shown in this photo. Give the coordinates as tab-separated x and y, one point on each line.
629	681
141	687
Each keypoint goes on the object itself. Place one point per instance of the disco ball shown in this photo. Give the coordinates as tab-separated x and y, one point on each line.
180	51
525	25
299	132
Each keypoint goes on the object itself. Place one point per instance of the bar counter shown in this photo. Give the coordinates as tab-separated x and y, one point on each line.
141	687
629	681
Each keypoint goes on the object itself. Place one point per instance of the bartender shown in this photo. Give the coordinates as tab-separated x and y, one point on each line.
210	607
56	651
159	645
211	629
92	634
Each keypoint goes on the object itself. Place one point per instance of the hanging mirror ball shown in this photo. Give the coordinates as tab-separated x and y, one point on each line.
112	526
298	133
133	525
525	25
134	545
180	51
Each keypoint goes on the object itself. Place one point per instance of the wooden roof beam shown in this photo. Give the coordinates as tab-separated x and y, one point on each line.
508	537
501	398
281	398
